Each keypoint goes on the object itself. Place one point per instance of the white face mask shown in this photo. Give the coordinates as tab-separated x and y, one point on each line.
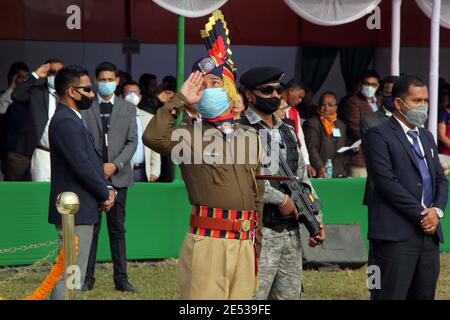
368	91
133	98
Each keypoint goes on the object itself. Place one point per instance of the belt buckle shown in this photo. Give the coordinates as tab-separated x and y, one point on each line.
245	225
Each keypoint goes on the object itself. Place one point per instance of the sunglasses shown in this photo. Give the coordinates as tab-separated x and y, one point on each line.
85	89
269	89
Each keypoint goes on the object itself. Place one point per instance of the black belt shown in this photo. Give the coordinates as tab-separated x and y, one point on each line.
281	227
138	166
43	148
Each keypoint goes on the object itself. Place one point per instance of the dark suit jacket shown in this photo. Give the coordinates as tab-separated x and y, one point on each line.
372	120
395	204
322	147
76	166
32	93
122	138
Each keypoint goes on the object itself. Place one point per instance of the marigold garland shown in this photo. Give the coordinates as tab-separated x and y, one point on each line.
52	278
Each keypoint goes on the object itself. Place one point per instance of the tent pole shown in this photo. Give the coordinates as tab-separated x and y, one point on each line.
395	40
434	67
180	52
180	73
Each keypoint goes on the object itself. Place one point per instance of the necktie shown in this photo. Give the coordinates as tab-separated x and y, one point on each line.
424	172
105	112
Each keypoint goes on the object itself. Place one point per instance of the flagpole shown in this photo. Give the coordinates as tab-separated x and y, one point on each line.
180	71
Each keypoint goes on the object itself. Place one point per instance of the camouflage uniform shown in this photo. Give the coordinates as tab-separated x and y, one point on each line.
280	258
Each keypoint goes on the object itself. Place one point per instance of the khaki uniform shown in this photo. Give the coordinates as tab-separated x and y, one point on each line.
213	264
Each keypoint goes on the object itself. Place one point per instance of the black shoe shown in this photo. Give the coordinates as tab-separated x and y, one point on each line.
87	286
126	286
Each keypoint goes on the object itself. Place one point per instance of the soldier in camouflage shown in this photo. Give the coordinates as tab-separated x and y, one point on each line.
280	258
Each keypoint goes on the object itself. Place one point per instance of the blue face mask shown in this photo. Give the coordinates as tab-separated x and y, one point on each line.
107	88
388	102
214	102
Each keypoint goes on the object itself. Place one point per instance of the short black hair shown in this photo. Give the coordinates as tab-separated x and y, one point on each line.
370	74
126	76
401	86
106	66
67	77
294	84
14	68
389	79
326	93
169	79
130	83
53	60
146	78
386	80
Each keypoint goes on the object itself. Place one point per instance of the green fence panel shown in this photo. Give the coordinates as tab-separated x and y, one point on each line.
157	217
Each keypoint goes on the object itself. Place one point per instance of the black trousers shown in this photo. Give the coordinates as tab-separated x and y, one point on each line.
115	220
409	269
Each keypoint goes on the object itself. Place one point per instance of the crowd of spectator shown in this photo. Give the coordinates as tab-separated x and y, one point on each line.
324	124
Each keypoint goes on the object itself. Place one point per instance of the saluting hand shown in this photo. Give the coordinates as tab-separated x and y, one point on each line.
166	96
43	70
191	88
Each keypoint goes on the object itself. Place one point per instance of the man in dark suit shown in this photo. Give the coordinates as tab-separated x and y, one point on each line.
76	164
408	200
38	94
112	122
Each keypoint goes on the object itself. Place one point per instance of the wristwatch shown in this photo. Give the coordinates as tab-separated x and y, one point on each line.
439	212
114	190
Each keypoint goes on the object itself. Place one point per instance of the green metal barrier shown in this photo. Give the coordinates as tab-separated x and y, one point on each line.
157	217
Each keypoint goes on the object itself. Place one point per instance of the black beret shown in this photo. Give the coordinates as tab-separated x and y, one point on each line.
260	75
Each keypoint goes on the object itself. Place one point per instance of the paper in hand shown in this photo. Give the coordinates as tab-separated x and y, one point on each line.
354	145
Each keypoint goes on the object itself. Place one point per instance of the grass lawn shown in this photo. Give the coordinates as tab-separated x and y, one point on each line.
161	282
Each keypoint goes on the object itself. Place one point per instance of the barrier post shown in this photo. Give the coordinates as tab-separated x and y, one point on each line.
67	205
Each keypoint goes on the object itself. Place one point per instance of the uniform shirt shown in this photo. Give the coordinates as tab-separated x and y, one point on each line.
226	186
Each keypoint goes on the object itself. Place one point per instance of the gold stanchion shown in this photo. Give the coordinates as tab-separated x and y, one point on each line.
67	205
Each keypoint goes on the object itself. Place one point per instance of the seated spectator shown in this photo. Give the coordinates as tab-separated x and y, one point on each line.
324	135
444	131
